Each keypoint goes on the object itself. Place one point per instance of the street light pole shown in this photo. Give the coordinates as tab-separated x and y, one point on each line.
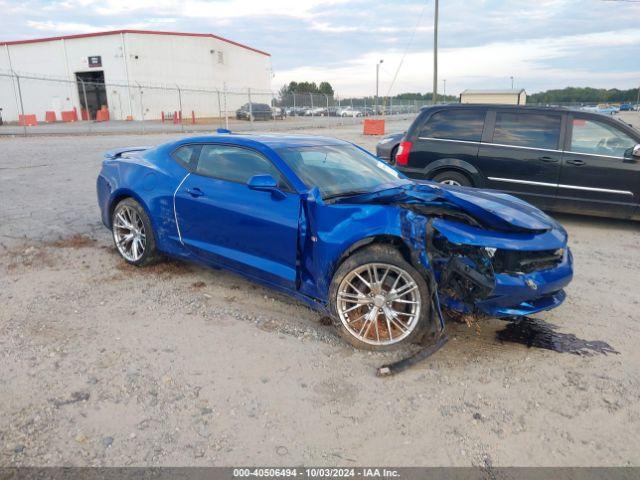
444	87
511	82
377	83
435	54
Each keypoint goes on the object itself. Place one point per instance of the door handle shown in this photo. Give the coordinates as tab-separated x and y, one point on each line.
548	159
195	192
577	163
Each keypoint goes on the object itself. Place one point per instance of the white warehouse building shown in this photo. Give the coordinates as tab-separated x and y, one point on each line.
130	74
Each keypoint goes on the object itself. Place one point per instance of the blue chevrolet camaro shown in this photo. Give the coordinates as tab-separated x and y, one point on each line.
328	223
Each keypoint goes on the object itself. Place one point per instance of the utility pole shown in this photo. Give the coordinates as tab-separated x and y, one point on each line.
377	78
435	54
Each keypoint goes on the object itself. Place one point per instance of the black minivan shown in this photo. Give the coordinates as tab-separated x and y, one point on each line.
555	158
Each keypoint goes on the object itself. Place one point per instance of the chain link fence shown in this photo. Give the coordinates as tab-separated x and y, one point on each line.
40	105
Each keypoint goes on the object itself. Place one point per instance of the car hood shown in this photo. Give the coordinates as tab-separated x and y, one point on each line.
493	209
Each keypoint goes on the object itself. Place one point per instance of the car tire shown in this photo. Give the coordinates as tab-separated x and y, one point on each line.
348	312
451	177
392	155
129	218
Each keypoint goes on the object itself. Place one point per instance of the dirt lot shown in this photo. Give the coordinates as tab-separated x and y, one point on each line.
105	364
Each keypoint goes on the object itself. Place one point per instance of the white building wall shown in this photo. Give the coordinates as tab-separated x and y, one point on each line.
141	60
515	98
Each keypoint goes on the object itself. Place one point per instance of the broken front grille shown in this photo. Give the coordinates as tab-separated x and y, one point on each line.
513	261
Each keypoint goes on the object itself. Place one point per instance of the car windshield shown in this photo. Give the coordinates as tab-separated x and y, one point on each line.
340	169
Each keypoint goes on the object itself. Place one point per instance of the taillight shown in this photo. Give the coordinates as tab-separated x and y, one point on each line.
402	155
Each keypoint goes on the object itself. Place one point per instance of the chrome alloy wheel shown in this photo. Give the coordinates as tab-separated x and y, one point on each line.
379	303
128	233
451	182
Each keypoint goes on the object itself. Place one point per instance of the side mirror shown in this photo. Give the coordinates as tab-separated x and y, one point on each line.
264	183
636	151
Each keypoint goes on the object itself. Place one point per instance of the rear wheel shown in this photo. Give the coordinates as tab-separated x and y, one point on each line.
132	233
378	300
451	177
392	155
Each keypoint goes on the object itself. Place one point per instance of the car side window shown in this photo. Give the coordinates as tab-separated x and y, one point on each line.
527	130
591	136
455	125
187	156
236	164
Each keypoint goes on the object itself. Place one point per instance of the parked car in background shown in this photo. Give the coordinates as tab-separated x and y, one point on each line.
349	112
331	225
556	158
278	113
254	111
626	107
295	111
387	147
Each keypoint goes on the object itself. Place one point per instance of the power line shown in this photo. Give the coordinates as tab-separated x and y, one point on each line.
406	50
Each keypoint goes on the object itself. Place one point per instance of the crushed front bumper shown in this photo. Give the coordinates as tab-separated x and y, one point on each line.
526	294
512	294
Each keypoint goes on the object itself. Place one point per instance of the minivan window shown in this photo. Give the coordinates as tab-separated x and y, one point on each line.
455	125
235	164
589	136
527	130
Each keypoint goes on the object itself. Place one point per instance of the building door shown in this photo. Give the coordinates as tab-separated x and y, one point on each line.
92	92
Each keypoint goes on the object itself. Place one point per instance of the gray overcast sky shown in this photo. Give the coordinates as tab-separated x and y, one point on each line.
544	44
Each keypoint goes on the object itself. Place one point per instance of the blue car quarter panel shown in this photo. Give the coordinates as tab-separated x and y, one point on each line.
150	177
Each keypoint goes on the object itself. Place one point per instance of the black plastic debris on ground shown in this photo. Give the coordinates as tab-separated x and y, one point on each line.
538	333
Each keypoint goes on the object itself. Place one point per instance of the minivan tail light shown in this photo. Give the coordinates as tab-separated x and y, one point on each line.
402	155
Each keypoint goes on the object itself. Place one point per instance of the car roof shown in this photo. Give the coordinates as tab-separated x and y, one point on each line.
529	108
273	141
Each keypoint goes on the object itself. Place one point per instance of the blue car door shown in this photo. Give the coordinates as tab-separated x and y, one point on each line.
223	221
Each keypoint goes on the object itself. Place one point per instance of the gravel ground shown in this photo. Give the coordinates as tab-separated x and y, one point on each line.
104	364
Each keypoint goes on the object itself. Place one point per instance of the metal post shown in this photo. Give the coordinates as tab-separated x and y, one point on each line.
377	78
511	82
180	106
86	104
141	107
444	88
24	124
294	104
219	108
327	98
638	98
435	54
311	96
250	106
226	114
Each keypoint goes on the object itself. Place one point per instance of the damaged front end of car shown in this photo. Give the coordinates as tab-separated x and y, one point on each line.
484	254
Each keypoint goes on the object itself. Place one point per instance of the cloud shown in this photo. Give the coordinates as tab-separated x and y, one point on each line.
544	44
486	66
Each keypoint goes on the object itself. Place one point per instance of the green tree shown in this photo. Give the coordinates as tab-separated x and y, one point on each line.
326	88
